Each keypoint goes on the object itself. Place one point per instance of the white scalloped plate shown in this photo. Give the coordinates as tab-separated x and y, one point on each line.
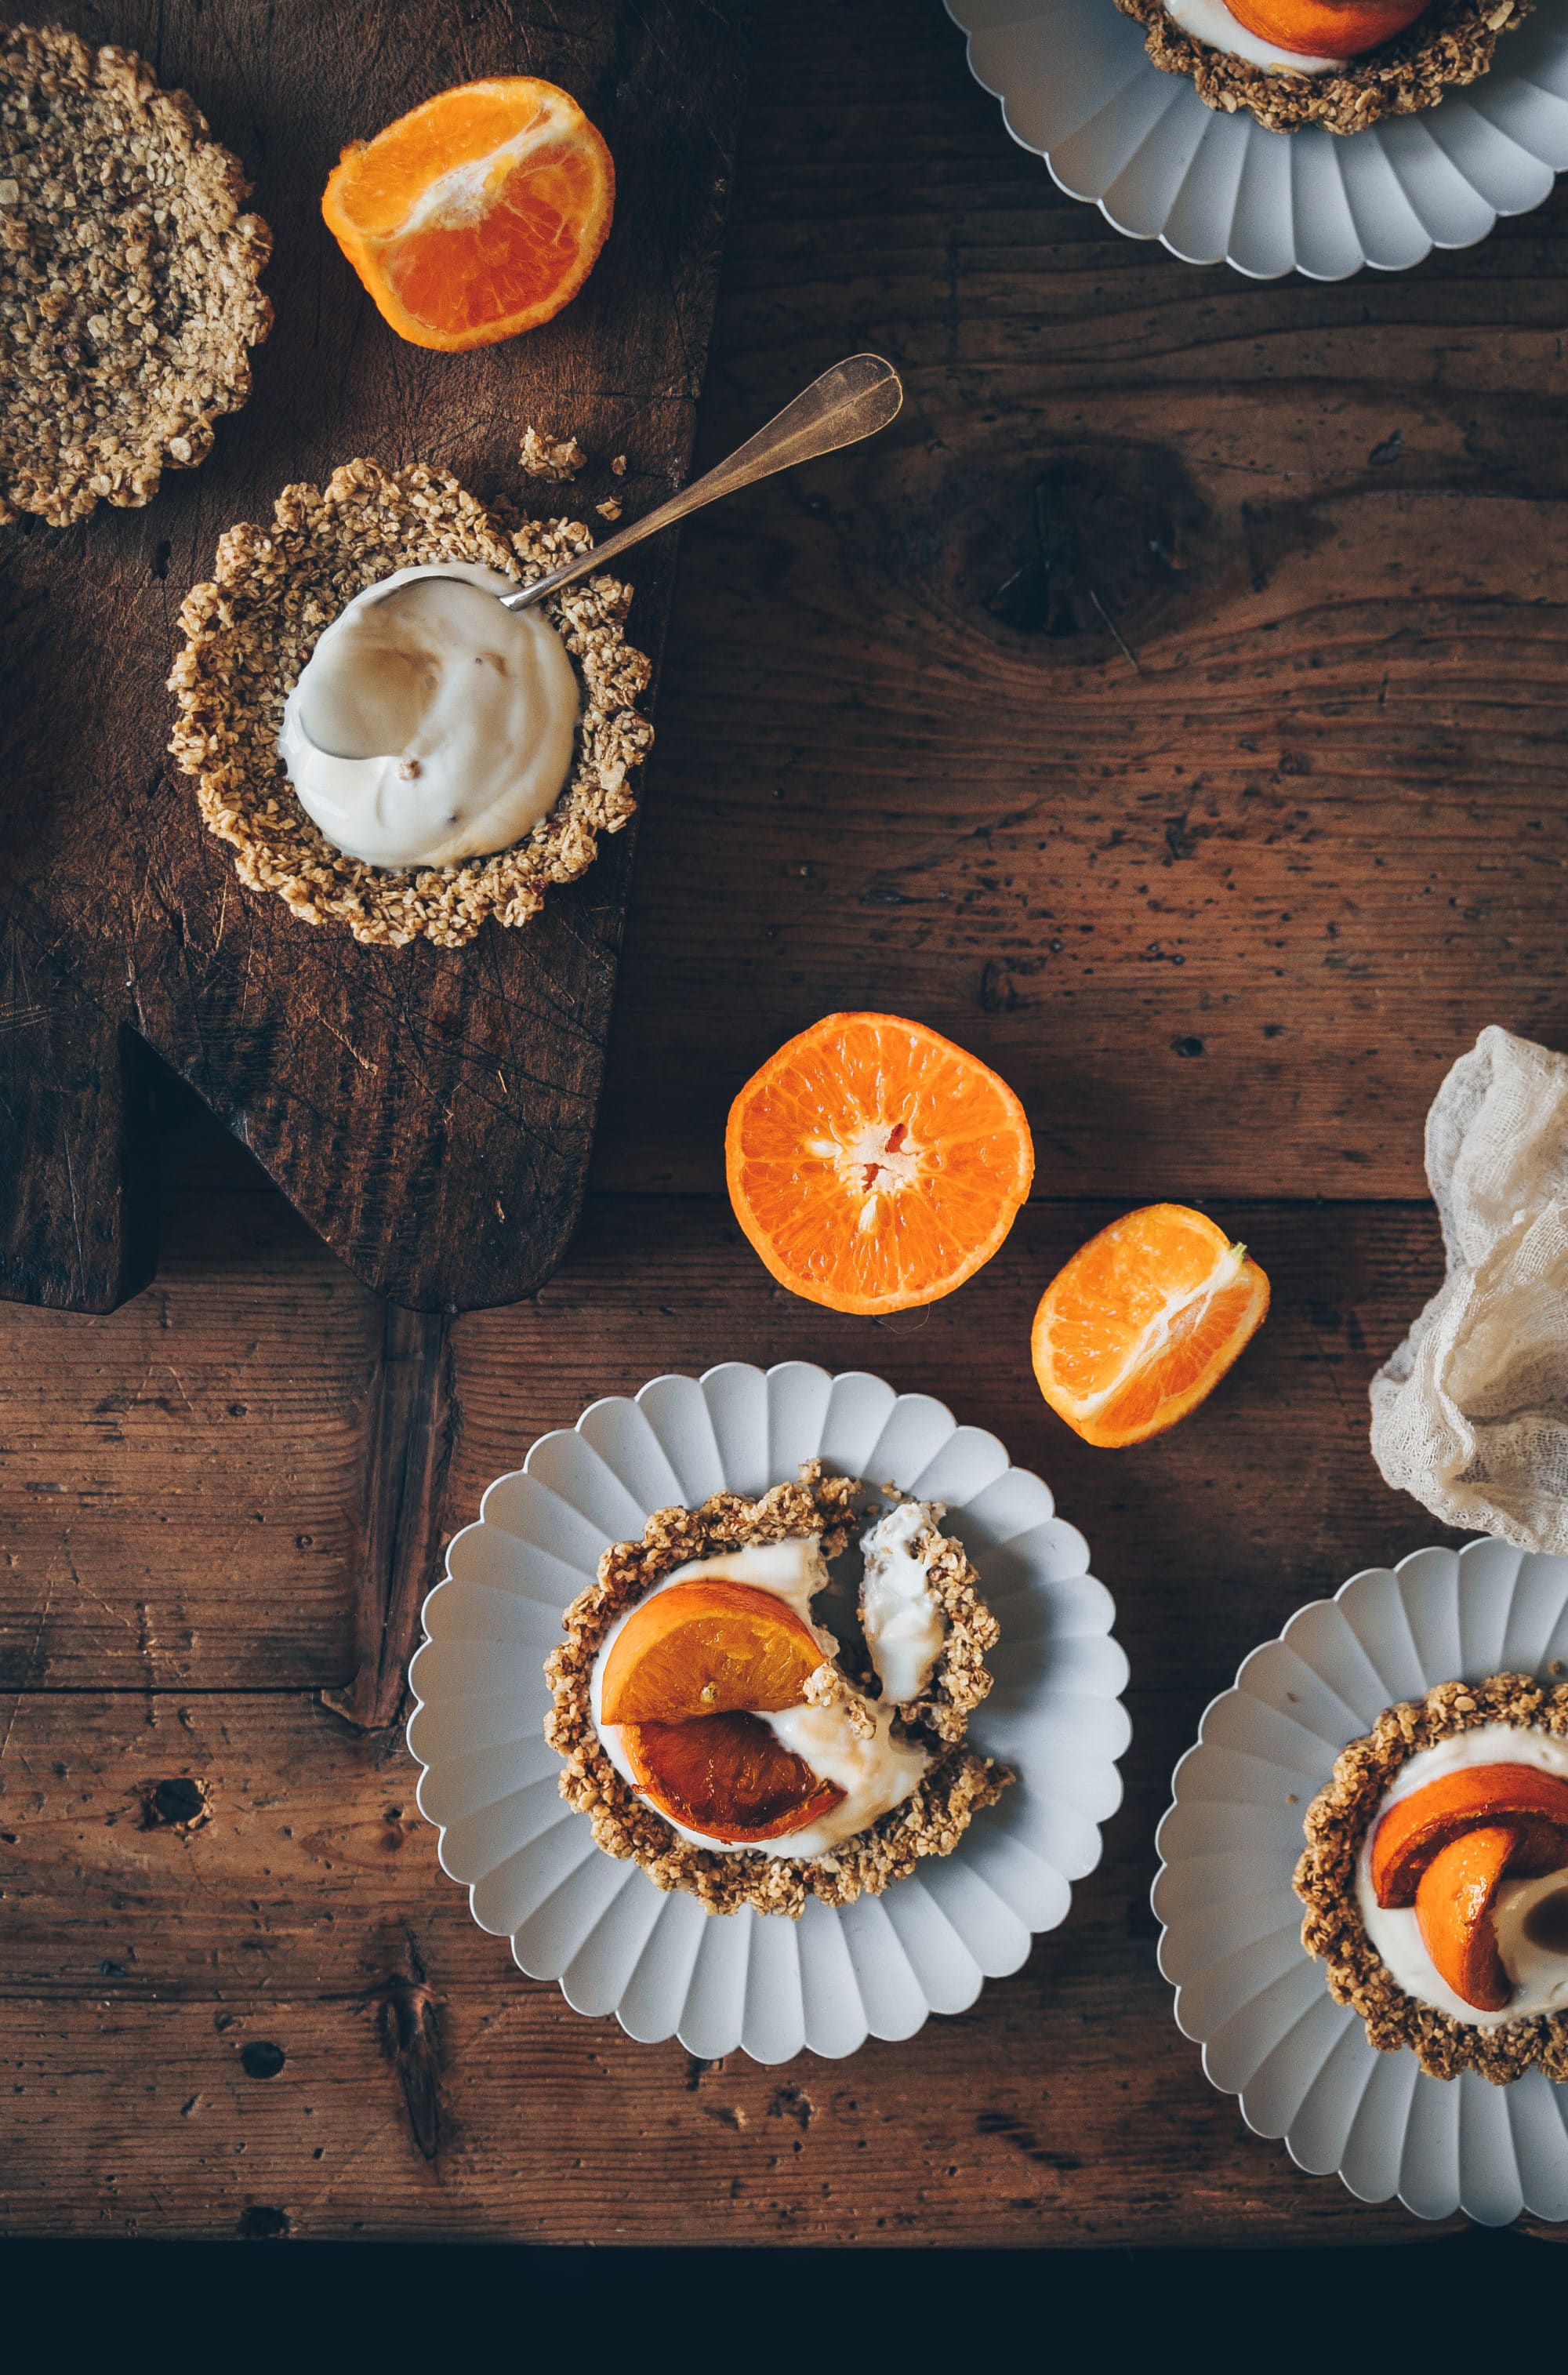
1246	1989
1077	88
600	1928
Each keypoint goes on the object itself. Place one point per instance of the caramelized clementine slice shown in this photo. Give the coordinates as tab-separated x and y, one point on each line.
874	1165
478	214
1454	1904
1325	28
1143	1322
707	1648
1416	1829
728	1774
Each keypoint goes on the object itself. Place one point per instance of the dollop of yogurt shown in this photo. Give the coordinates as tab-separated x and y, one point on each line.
1211	21
876	1772
1538	1969
430	725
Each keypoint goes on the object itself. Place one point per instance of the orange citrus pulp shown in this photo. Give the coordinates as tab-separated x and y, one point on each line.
728	1774
874	1165
1143	1322
707	1648
478	214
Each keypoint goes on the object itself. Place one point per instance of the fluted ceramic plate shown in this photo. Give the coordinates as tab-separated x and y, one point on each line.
1077	88
614	1942
1246	1989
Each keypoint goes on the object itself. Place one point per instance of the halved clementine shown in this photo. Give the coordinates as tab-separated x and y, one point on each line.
707	1648
1143	1322
478	214
1416	1829
1325	28
875	1166
1454	1914
728	1774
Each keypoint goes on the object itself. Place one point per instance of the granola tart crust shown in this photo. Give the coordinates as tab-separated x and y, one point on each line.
929	1822
1452	43
128	272
1335	1825
250	632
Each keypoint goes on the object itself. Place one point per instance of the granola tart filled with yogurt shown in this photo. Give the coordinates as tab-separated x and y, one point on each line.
718	1735
1343	64
337	566
128	271
1435	1878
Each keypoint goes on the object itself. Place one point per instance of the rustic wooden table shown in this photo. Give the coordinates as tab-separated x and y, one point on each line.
1222	892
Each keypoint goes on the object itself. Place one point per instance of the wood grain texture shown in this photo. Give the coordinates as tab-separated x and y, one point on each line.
1224	911
429	1111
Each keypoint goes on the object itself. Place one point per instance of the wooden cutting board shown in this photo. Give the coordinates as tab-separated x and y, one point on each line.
429	1111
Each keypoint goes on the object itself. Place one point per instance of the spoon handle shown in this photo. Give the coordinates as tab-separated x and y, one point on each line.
853	401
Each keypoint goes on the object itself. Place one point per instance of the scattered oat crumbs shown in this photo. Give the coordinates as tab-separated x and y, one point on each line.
617	467
1452	43
557	460
609	509
250	632
128	271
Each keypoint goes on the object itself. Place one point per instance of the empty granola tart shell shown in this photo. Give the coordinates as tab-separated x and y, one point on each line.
128	272
1452	43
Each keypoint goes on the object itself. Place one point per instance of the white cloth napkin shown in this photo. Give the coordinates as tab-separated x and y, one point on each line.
1471	1413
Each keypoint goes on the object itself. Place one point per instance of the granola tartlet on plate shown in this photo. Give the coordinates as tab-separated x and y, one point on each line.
873	1749
128	271
1435	1878
1450	43
250	632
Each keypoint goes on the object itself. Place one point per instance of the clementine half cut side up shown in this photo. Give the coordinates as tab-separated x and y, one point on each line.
728	1774
874	1165
707	1648
1143	1322
478	214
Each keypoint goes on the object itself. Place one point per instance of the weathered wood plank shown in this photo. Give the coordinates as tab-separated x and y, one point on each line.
288	2008
1223	898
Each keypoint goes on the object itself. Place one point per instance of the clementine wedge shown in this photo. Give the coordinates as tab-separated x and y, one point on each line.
1325	28
727	1775
707	1648
1454	1914
478	214
1416	1829
1143	1322
874	1165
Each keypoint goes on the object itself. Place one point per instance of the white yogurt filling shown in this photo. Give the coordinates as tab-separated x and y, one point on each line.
904	1629
1211	21
430	725
1540	1976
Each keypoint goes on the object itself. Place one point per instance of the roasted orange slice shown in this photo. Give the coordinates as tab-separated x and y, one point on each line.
1415	1829
478	214
1325	28
728	1774
1454	1904
874	1165
707	1648
1143	1322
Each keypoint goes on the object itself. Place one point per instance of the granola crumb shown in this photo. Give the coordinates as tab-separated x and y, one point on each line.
1452	43
128	272
609	509
1337	1822
618	466
557	460
931	1821
250	632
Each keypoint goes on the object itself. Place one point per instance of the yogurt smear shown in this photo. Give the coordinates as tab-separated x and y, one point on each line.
430	725
1211	21
1538	1970
904	1640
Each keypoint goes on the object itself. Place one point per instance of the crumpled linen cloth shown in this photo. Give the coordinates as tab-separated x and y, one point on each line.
1471	1413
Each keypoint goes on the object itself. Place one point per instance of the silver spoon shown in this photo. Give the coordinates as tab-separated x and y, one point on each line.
854	400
